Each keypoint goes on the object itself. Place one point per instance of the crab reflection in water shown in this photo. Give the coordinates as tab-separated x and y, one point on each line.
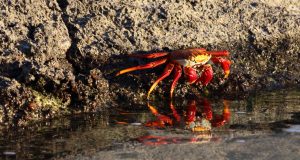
195	118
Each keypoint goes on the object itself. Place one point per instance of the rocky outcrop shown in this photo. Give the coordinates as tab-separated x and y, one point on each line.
69	50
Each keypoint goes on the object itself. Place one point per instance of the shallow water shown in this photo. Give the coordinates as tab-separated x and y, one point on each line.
266	113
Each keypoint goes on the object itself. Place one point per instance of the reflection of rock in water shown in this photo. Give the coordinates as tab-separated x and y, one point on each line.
264	108
65	135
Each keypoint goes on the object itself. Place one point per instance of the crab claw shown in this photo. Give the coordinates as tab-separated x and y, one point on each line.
225	63
206	76
190	74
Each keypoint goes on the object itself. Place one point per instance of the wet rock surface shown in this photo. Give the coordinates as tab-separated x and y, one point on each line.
70	50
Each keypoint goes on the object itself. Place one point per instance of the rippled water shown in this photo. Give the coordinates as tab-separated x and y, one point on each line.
157	124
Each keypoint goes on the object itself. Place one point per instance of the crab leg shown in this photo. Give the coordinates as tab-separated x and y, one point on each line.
165	74
178	72
220	120
225	64
151	55
191	112
153	140
162	119
218	53
145	66
226	111
152	109
175	114
207	109
206	76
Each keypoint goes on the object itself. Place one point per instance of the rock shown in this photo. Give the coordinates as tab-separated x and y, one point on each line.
19	104
263	42
71	49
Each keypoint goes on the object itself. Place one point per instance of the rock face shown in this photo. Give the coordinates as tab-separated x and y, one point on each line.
69	50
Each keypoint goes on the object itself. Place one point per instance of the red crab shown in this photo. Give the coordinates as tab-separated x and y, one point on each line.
187	60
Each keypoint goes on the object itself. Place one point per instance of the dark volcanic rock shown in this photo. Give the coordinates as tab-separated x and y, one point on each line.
262	37
34	66
70	50
21	103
